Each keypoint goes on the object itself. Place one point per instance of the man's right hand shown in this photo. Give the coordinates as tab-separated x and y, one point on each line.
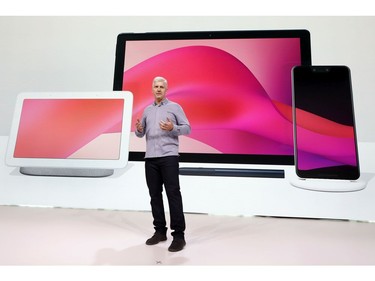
139	126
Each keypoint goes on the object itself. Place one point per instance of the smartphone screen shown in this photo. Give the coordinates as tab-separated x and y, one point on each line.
324	126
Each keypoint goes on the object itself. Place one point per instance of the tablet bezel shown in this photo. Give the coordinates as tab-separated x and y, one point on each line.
71	162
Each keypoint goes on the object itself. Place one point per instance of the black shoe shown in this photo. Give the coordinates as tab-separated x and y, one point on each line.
156	238
177	245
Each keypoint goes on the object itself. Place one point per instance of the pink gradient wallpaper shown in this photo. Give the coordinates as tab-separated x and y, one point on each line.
70	128
339	142
236	93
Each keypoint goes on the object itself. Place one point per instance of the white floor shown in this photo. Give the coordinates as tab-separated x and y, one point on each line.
53	236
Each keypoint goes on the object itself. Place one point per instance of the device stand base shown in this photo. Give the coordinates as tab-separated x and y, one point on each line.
329	185
66	172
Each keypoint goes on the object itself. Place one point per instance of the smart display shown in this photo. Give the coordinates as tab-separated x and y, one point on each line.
71	130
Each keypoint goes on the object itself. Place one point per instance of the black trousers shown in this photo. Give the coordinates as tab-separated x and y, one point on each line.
165	171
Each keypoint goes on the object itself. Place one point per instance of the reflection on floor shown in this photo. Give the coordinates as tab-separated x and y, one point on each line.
55	236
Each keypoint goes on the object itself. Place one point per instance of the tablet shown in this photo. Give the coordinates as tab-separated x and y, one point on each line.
234	87
70	133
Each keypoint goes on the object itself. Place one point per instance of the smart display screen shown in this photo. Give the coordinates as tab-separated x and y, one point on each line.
70	128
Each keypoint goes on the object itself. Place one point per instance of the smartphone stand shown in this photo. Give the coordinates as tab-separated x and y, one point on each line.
328	185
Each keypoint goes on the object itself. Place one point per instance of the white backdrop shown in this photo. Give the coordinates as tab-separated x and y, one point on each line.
77	54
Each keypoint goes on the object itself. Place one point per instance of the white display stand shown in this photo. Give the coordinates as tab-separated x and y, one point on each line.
329	185
126	190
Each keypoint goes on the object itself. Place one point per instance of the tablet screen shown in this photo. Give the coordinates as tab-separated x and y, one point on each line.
234	86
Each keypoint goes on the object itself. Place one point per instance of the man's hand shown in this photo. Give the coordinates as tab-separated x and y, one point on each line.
139	126
166	125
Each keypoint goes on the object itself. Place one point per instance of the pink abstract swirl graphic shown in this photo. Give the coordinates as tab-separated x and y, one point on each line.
226	105
339	142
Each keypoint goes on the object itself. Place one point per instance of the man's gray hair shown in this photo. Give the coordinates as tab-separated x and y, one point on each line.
160	79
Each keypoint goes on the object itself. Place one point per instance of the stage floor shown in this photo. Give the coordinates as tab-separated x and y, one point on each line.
55	236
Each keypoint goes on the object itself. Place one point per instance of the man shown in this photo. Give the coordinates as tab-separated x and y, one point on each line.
162	123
